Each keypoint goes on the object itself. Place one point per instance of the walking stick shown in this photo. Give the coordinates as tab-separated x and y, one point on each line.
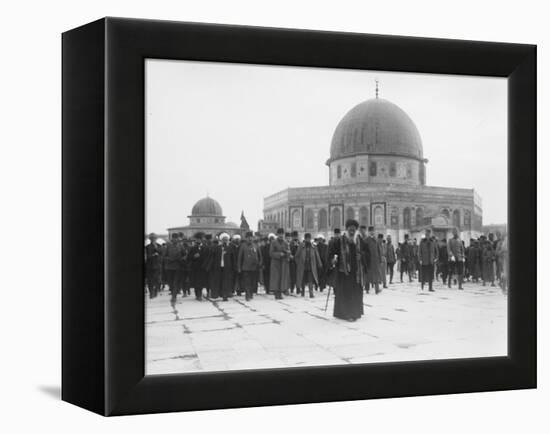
328	296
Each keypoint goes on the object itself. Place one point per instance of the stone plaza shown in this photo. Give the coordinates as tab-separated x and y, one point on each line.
402	323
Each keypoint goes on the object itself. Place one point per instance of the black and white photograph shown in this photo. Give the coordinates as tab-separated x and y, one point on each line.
300	217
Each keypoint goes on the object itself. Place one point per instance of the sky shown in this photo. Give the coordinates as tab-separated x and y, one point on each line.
239	133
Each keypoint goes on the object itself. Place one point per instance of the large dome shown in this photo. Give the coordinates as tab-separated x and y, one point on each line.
207	207
376	126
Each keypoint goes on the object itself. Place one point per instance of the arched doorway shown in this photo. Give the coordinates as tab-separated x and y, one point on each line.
364	216
350	213
336	218
309	219
407	218
323	219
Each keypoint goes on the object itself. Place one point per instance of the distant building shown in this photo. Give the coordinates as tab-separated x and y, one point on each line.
207	217
377	175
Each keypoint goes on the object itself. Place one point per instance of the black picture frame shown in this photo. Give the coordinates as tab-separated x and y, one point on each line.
103	215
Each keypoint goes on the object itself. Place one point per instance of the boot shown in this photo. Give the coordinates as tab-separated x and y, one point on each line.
311	293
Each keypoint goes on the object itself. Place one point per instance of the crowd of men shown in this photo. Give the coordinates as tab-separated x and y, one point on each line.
352	263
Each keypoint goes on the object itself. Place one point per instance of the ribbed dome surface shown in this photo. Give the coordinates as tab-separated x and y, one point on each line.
376	126
207	207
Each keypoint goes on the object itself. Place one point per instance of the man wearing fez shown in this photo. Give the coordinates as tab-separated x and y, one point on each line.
266	261
391	258
427	257
455	252
322	248
308	264
198	255
153	261
347	255
172	259
405	256
279	252
293	244
248	263
383	249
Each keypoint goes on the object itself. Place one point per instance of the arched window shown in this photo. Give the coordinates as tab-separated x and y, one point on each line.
393	169
296	219
445	212
419	216
350	213
378	216
336	218
339	171
323	220
467	218
373	168
353	169
363	216
407	218
309	219
456	218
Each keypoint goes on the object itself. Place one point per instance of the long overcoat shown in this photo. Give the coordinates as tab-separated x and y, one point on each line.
279	273
373	260
315	263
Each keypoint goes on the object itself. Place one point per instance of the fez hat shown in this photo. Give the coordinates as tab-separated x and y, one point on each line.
371	228
287	234
308	235
406	236
208	236
280	231
294	234
380	236
249	234
174	235
352	222
336	230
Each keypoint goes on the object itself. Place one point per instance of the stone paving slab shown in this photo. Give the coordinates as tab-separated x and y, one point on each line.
400	324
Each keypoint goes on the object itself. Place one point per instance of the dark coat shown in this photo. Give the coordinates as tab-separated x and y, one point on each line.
374	260
279	273
197	257
455	248
391	257
427	252
173	256
249	259
474	261
153	256
315	263
222	278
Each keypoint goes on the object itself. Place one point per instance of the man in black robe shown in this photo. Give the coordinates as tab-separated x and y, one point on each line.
198	254
347	258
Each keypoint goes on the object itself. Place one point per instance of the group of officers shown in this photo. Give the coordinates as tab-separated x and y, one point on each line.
352	262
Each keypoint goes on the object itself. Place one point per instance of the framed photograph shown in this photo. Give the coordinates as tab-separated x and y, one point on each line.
257	216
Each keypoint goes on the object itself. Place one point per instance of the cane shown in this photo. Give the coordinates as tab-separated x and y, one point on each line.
328	296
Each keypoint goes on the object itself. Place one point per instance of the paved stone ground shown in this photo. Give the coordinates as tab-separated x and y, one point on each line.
400	324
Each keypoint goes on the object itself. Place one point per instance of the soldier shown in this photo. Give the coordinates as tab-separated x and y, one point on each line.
153	262
391	258
427	257
308	263
383	249
405	257
249	261
455	252
172	259
293	243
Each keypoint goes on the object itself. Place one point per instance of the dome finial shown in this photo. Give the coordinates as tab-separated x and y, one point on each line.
376	81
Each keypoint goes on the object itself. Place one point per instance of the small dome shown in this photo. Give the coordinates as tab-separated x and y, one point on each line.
376	126
207	207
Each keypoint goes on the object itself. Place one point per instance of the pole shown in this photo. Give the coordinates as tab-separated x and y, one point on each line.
328	296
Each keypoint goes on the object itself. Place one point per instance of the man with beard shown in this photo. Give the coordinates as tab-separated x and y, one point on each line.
248	263
427	257
279	251
322	248
405	257
293	243
348	255
222	266
153	260
390	257
172	258
198	254
455	251
308	263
